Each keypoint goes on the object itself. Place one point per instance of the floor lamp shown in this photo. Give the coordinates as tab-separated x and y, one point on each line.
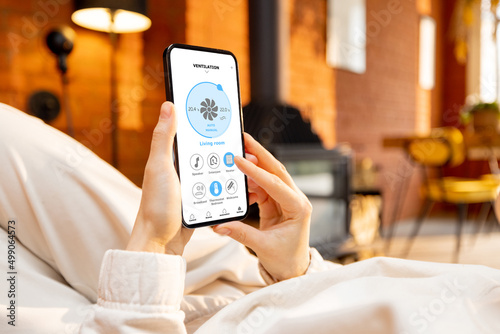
114	17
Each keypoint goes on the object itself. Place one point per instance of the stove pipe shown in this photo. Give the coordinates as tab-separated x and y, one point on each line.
268	37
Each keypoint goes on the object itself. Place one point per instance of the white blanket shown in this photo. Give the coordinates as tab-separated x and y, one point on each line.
380	295
71	207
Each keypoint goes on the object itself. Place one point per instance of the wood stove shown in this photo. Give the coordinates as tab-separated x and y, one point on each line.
323	175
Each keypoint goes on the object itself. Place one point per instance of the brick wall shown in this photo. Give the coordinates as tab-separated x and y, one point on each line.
168	22
342	106
222	24
26	65
383	101
312	83
453	74
362	109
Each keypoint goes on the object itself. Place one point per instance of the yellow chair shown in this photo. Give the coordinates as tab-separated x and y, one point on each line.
445	147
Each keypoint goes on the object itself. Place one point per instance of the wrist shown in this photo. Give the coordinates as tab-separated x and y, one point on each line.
291	270
145	245
174	248
154	246
144	239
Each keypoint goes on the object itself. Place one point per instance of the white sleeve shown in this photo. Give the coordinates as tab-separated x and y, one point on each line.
317	264
138	292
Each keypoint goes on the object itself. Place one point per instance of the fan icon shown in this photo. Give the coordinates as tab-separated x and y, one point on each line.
209	109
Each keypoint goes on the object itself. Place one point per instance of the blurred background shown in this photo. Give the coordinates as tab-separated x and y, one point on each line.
341	88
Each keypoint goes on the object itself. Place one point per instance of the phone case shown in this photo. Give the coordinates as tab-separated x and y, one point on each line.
169	95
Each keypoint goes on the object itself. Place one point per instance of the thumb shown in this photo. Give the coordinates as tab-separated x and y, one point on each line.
241	232
163	134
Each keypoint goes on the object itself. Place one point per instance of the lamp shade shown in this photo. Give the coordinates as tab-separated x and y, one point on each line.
118	16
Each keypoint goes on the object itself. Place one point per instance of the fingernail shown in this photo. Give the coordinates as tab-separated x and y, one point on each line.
165	112
223	231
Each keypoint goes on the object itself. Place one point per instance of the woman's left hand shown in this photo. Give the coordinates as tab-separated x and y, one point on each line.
158	227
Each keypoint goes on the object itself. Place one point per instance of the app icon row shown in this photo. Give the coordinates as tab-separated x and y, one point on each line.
209	215
215	188
213	160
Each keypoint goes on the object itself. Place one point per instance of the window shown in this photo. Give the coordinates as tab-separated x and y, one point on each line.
483	65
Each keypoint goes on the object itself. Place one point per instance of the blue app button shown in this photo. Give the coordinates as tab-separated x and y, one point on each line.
229	159
215	188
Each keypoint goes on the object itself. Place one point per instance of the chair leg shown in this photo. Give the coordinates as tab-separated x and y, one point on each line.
423	214
481	221
462	215
396	211
495	221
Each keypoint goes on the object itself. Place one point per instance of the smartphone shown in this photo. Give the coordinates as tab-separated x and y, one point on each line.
203	84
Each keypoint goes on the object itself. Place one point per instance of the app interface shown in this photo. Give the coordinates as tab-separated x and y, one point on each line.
205	92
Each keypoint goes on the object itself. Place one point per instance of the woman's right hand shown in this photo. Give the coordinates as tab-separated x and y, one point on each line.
282	241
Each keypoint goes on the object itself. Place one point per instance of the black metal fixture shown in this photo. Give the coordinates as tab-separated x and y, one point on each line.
44	105
60	41
267	117
114	17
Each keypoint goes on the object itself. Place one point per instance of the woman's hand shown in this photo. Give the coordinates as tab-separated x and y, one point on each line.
282	242
158	227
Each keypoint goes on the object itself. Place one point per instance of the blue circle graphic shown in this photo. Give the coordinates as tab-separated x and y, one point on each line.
215	188
229	159
208	109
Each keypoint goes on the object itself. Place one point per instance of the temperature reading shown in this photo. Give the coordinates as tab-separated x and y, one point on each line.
208	109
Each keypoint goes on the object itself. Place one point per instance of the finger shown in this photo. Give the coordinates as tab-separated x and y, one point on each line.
243	233
252	185
267	161
252	198
252	158
163	135
268	208
259	192
272	184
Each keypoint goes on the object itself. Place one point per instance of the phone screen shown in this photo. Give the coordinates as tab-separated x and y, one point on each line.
204	86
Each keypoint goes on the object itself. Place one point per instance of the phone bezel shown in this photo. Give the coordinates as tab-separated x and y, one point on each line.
169	93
